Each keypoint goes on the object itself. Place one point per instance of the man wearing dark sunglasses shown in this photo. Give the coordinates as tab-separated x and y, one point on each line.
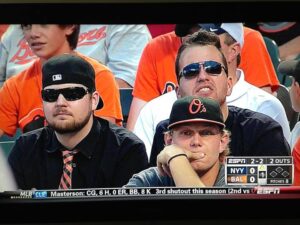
76	149
243	94
201	70
156	72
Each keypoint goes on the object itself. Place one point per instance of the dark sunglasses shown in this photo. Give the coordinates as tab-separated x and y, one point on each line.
192	70
70	94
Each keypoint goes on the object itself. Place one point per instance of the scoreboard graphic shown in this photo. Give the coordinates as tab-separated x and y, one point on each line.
259	170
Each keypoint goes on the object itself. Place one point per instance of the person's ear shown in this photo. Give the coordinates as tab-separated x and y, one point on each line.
224	142
229	85
178	92
168	138
233	52
70	29
296	84
95	100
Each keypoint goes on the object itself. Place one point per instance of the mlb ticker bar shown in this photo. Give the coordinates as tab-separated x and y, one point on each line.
259	170
142	193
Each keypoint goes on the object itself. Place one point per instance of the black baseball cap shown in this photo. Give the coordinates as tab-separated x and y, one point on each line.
235	30
196	109
182	30
69	68
290	68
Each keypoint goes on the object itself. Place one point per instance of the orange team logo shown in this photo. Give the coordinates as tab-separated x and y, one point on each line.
91	37
23	55
169	86
196	106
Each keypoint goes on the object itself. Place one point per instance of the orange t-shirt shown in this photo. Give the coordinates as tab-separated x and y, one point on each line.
156	71
159	29
256	61
296	158
21	103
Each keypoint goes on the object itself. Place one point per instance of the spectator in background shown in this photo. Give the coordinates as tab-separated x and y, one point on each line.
292	68
202	71
285	34
244	95
117	46
15	53
263	74
105	154
21	104
156	72
196	145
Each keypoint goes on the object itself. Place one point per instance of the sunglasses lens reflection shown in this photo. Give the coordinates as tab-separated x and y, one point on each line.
70	94
192	70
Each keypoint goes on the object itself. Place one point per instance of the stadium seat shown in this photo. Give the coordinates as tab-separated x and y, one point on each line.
274	53
126	99
8	138
284	96
6	146
7	142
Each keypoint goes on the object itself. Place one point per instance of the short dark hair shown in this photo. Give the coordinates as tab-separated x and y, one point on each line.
200	38
72	38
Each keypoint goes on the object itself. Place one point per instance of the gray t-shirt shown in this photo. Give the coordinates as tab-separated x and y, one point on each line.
151	178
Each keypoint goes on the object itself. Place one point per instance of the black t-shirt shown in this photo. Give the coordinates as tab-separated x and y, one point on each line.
252	134
108	157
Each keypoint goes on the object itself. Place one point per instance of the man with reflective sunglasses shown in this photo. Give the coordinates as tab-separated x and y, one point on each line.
156	72
196	146
253	134
98	152
243	94
20	102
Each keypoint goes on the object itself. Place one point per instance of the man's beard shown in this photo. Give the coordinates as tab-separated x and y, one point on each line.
71	126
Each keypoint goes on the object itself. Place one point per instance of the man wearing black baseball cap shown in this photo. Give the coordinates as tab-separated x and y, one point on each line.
292	68
76	149
196	146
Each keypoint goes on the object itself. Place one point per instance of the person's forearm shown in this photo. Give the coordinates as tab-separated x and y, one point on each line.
183	174
122	83
290	48
135	108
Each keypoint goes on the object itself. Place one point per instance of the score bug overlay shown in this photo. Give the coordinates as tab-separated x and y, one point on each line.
259	170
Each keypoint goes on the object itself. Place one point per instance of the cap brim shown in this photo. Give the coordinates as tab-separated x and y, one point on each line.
100	104
196	120
289	67
211	27
182	30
